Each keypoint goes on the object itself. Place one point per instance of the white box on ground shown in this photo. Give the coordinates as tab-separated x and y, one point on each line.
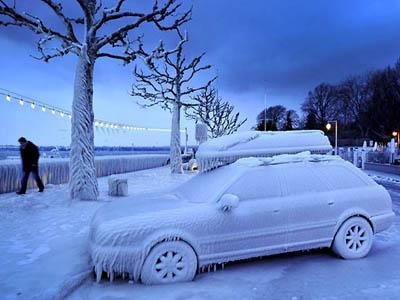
117	186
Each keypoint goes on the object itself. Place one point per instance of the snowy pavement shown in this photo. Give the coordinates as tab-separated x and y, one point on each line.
43	236
43	244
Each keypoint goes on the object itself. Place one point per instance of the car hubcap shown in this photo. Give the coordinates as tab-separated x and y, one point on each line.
169	265
356	238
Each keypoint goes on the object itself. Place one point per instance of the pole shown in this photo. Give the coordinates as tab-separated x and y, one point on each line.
336	134
265	110
398	142
186	139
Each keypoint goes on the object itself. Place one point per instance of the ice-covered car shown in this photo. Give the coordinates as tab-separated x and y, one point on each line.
253	207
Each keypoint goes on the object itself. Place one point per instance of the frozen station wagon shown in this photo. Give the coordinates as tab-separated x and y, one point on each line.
253	207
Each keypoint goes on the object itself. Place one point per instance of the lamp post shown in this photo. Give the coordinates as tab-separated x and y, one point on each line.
265	110
328	127
397	134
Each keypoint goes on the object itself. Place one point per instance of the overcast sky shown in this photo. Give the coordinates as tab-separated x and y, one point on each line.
282	48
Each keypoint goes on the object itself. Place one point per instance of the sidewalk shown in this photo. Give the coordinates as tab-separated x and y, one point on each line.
382	176
43	237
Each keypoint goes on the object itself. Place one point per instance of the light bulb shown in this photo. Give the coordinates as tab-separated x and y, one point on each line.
8	98
43	109
21	102
33	105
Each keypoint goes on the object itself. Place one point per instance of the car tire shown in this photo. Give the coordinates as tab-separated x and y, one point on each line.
353	239
169	262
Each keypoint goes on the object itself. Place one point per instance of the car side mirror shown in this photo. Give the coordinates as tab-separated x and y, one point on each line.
227	202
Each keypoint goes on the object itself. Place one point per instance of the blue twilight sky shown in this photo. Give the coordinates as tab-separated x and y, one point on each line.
284	47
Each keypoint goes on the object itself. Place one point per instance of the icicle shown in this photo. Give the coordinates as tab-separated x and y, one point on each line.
99	271
111	276
123	275
215	267
223	266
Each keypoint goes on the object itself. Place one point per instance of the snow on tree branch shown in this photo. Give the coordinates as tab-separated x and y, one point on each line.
94	17
157	16
216	114
68	40
168	76
89	45
167	83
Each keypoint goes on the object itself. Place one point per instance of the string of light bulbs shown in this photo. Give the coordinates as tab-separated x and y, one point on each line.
13	97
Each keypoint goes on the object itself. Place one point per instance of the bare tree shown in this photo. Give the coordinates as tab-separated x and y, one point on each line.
216	114
321	103
91	44
271	118
354	96
291	120
167	82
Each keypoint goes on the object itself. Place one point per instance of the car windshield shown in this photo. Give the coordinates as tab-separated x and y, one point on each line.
207	187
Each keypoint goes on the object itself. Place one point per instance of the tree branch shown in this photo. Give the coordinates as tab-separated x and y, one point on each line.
69	42
156	16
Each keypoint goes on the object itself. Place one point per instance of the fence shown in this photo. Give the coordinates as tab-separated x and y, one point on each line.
56	171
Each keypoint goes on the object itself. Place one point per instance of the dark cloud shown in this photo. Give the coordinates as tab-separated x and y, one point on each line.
292	45
288	46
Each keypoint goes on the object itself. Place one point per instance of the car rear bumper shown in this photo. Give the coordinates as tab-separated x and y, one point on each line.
382	222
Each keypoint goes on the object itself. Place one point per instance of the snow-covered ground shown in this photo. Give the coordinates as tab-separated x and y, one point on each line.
43	241
43	236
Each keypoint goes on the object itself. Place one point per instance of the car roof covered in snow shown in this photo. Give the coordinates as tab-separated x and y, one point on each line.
227	149
304	156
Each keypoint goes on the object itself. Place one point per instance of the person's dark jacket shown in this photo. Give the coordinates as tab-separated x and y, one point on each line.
30	156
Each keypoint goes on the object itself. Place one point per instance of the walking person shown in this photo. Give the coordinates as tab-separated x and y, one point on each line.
30	163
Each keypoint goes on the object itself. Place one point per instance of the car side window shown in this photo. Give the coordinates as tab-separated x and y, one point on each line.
260	183
301	179
339	177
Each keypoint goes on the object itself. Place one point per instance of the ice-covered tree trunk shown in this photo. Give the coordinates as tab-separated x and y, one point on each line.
82	177
175	145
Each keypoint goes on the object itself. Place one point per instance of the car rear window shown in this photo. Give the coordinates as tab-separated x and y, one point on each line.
340	177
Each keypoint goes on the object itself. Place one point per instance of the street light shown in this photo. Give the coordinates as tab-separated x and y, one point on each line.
328	127
397	133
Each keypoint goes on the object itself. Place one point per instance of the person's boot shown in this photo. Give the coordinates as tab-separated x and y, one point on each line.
41	190
20	193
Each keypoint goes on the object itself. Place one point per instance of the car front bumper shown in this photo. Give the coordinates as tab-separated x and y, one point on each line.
117	260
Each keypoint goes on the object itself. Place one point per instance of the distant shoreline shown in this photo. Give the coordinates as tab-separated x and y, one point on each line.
12	151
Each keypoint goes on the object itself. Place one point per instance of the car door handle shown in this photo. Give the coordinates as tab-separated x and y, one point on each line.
331	202
276	210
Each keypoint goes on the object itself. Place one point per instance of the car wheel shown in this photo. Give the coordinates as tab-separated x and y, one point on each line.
353	239
169	262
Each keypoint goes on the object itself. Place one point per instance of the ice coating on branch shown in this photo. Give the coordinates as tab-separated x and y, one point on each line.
227	149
